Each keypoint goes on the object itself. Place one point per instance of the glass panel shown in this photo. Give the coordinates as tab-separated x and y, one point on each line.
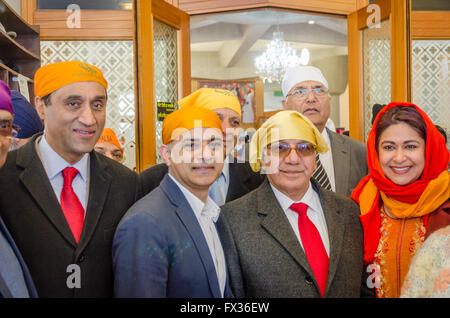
165	72
430	79
376	70
115	59
430	5
84	4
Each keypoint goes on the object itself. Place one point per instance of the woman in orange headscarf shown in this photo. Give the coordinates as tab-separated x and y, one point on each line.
405	197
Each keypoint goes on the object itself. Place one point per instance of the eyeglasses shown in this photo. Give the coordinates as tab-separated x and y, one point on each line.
7	128
283	150
303	92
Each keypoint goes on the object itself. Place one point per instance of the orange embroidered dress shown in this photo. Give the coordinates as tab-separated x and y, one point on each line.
394	217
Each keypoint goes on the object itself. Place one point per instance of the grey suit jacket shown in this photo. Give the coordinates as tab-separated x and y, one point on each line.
265	258
349	162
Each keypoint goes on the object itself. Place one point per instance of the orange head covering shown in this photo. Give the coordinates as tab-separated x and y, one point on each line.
51	77
212	98
109	136
187	118
416	199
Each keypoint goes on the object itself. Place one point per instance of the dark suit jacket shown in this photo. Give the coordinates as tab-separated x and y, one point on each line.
349	162
4	289
159	249
242	179
265	258
33	215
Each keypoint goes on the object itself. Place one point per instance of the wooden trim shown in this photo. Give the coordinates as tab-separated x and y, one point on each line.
27	10
430	25
113	25
145	108
342	7
363	15
355	81
400	51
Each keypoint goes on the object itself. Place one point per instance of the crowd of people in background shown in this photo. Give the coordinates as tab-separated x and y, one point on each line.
309	213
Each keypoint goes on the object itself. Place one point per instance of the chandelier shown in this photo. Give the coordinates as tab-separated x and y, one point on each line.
279	55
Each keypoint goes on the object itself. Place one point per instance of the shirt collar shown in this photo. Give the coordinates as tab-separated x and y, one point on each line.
209	208
286	202
326	136
54	163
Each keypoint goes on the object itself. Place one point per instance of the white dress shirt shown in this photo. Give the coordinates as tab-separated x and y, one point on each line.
314	213
207	214
54	164
327	161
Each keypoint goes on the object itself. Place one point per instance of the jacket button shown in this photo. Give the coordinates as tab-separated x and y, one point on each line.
309	280
81	259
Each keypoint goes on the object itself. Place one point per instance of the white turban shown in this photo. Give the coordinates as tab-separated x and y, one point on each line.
298	74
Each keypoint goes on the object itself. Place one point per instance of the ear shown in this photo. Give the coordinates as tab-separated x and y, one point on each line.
40	107
285	105
164	152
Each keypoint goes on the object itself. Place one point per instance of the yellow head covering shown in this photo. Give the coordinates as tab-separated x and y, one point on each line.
110	137
187	118
287	124
51	77
212	98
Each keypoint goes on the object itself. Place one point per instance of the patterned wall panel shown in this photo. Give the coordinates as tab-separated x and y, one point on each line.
376	70
115	59
166	70
431	81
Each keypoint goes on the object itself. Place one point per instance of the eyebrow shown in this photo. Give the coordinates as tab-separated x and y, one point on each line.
405	142
72	97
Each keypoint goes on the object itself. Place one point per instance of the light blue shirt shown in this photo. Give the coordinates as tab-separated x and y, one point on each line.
219	189
54	164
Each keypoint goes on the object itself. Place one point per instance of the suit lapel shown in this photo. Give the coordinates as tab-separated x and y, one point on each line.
35	180
336	229
187	217
276	224
341	153
99	183
238	178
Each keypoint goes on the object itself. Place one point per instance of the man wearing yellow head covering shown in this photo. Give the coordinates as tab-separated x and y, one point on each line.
290	237
167	244
236	178
70	198
109	146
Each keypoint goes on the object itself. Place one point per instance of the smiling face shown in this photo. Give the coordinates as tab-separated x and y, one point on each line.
195	159
294	170
74	119
315	107
231	127
401	153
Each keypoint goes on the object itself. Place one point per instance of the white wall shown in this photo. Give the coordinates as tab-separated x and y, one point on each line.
15	5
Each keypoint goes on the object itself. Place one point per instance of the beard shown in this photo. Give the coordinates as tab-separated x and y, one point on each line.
14	144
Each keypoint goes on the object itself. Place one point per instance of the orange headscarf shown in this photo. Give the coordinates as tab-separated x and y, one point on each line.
417	199
51	77
187	118
109	136
212	98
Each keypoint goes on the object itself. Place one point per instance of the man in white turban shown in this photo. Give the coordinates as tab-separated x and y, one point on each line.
305	90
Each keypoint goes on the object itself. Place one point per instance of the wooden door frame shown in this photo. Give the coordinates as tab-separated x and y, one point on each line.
147	11
398	13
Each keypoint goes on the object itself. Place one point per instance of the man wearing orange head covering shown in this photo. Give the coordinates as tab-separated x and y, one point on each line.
167	244
237	178
109	146
70	198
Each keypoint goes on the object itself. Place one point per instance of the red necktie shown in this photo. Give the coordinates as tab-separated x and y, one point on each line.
313	246
70	204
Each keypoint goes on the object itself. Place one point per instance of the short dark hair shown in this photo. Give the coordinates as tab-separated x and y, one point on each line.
442	131
46	99
401	114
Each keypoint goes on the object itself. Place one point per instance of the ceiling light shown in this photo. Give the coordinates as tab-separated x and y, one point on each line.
279	55
311	22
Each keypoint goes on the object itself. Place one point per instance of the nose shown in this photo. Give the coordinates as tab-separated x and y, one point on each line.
399	155
292	157
87	117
